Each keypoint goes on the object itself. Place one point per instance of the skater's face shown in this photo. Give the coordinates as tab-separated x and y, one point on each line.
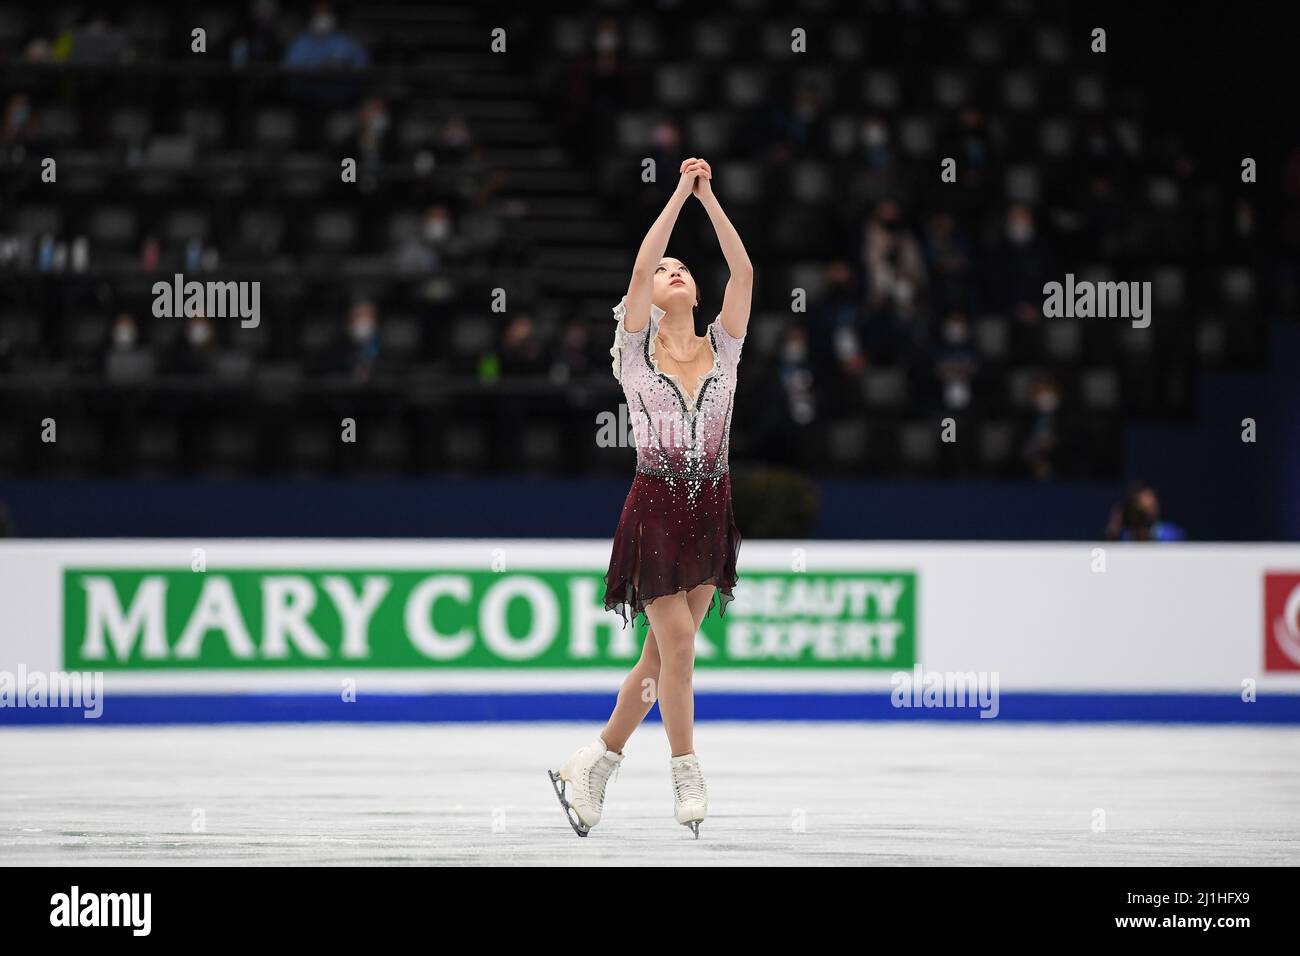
674	286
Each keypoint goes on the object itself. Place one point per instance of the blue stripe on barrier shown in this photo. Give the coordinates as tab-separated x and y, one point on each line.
482	707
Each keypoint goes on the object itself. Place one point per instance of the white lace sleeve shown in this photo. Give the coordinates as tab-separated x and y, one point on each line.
621	334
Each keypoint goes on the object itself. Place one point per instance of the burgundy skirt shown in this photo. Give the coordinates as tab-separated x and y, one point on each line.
672	539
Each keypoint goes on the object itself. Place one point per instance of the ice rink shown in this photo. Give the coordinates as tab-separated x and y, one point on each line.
807	793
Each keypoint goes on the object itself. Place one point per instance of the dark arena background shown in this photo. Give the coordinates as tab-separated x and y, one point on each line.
311	454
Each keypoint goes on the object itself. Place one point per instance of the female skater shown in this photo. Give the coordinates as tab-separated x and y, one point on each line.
676	544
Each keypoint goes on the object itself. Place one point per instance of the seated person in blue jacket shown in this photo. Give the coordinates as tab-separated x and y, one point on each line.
1137	518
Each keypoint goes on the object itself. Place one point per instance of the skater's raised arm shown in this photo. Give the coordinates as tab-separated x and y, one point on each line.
740	287
641	288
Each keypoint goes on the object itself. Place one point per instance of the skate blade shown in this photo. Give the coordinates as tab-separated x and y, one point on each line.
570	814
695	827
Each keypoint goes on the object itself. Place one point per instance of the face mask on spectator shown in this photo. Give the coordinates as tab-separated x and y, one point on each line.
124	335
322	23
1020	232
874	135
436	230
606	41
957	393
955	333
199	333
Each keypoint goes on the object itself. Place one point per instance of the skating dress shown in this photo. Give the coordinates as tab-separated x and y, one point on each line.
677	529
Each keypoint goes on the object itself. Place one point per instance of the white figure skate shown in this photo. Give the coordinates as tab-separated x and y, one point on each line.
588	770
692	799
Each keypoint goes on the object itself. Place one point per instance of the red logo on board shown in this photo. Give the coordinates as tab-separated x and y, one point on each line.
1282	622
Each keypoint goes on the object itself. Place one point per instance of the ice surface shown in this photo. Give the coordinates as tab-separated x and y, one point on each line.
804	793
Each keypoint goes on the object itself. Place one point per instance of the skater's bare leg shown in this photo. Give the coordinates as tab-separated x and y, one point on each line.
635	697
640	687
675	628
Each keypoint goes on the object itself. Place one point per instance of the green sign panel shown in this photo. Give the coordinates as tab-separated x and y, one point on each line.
267	618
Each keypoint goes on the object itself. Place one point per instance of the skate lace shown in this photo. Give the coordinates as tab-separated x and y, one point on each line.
598	776
688	782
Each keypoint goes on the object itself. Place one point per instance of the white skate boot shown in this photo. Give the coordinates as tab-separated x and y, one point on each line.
588	771
689	792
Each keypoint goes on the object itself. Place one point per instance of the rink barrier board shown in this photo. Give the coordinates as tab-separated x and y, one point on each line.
144	709
1187	632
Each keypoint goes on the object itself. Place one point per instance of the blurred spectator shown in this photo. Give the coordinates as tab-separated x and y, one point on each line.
126	361
1025	258
895	271
424	251
956	362
1137	518
799	125
795	376
18	122
39	50
372	127
948	254
437	228
258	39
1042	447
785	406
1018	265
323	45
876	177
1241	237
521	348
574	353
837	352
359	350
606	41
196	353
150	253
126	334
455	138
666	144
877	153
973	149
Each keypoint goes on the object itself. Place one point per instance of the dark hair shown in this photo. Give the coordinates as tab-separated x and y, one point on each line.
1135	488
698	297
1135	519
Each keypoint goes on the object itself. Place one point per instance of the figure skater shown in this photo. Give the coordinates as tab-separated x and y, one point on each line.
676	545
